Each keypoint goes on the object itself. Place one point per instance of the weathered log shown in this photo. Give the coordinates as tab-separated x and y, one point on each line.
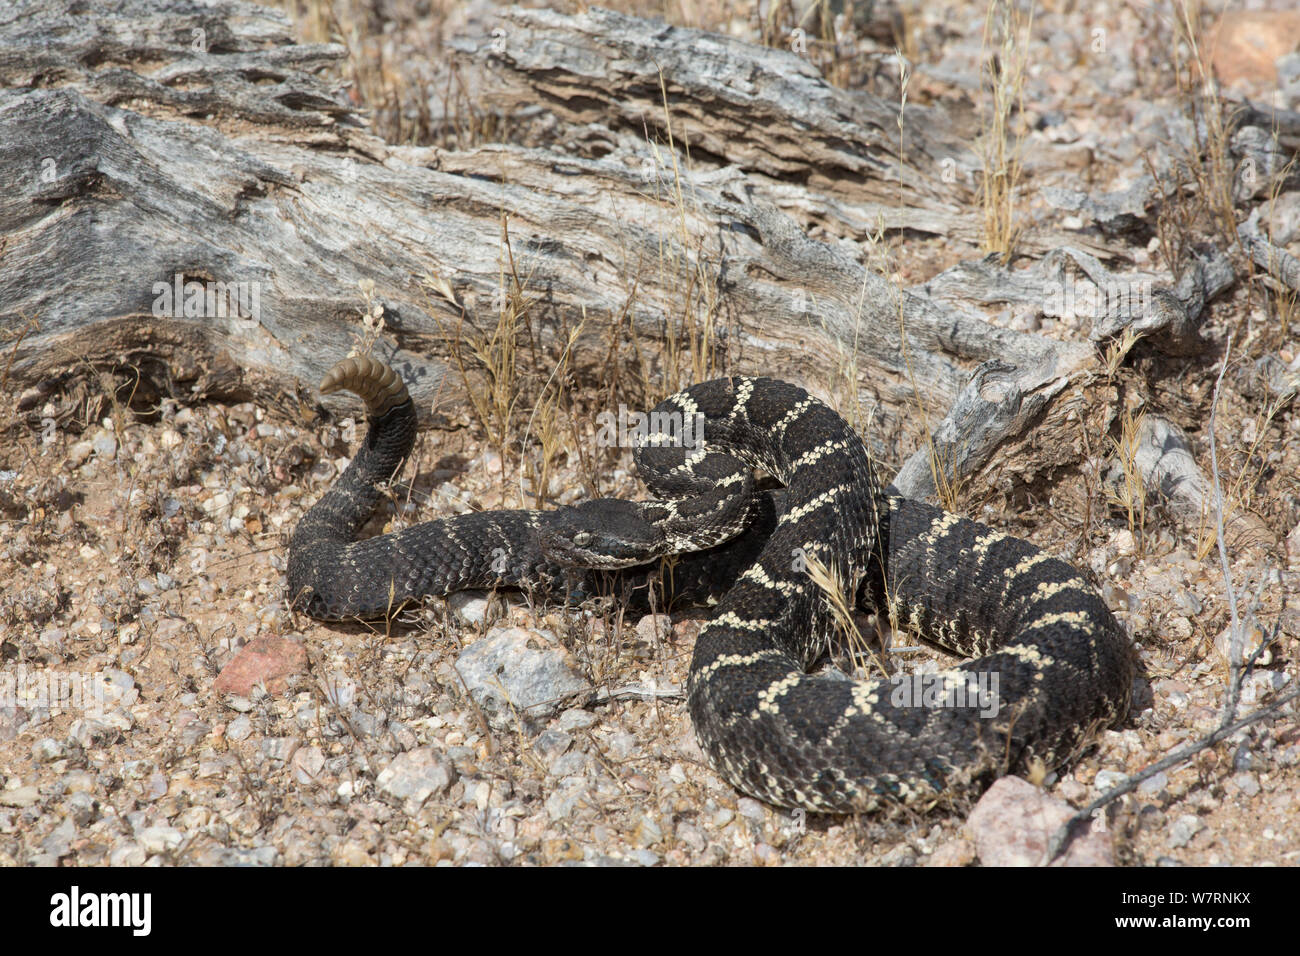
232	173
845	161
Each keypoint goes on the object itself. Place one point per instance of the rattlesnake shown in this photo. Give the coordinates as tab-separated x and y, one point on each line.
1057	665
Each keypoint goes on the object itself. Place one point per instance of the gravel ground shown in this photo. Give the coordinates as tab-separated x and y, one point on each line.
150	557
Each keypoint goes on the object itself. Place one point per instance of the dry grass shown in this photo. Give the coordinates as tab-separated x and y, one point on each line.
1241	493
1007	35
690	345
1211	167
1118	350
838	595
1131	495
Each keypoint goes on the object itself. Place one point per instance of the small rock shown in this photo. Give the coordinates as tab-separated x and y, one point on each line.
622	745
403	735
308	763
1245	44
1013	822
91	734
958	852
194	731
903	855
1108	780
351	854
159	839
561	802
647	832
559	850
80	781
19	797
268	661
238	856
471	607
1246	783
416	775
80	808
279	748
239	728
127	854
515	675
1252	637
575	719
366	724
551	744
105	445
1071	790
1153	785
137	769
155	787
691	836
1184	828
568	765
78	452
59	842
654	627
47	750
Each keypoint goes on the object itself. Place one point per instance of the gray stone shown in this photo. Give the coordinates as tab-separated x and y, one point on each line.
551	744
567	765
19	797
1184	828
470	607
127	854
80	808
416	775
1246	783
239	728
279	748
576	719
105	445
622	745
47	750
561	801
366	724
59	842
238	856
1108	780
159	839
515	675
1153	785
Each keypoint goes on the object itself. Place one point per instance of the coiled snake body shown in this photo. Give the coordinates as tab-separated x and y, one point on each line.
1056	662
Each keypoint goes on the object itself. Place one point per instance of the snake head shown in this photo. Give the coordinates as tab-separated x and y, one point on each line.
606	533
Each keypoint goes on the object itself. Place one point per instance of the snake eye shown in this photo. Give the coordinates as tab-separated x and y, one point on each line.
582	538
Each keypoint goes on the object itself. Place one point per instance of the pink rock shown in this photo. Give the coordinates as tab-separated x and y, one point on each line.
1012	824
265	660
1245	43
